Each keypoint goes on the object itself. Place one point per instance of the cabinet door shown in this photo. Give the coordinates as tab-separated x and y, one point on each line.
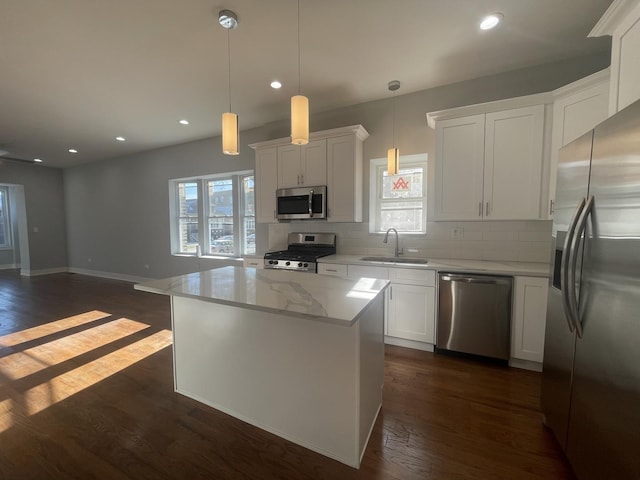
332	269
513	164
459	168
289	173
266	183
344	179
411	312
314	163
529	318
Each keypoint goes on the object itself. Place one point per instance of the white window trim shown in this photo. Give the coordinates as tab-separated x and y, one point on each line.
203	214
8	245
375	187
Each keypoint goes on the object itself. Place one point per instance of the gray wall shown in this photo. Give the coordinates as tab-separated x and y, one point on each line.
45	214
117	210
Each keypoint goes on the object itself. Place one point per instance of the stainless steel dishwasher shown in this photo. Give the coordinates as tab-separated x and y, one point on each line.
474	314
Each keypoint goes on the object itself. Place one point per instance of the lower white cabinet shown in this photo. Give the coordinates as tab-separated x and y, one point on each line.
253	262
411	297
529	318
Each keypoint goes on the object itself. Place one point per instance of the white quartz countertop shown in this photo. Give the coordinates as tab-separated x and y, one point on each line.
529	269
308	295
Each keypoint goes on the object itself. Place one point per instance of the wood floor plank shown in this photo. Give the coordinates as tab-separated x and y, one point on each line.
106	408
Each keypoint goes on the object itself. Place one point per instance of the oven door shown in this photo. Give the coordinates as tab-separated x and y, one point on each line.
308	203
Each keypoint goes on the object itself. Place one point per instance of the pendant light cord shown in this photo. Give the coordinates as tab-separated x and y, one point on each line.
298	47
229	61
393	116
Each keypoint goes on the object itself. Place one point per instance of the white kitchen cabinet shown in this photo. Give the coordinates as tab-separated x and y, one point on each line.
253	262
332	158
333	269
411	311
622	22
489	165
529	318
577	108
266	183
302	165
344	172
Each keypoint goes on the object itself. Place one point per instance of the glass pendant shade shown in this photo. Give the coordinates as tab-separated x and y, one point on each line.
230	134
393	161
299	120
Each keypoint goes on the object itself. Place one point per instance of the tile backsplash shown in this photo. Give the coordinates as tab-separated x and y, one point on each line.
523	241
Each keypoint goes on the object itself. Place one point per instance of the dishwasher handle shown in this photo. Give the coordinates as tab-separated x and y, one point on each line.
448	277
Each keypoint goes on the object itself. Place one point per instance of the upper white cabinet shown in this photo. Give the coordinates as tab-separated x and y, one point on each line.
577	108
489	165
302	166
622	22
332	158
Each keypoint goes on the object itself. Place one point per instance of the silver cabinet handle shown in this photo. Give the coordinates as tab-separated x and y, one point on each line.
331	270
581	225
390	293
486	214
302	179
565	263
550	207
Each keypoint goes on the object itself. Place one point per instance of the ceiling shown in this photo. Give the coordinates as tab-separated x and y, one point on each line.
78	73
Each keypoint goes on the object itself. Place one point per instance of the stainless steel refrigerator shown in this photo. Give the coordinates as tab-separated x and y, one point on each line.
591	377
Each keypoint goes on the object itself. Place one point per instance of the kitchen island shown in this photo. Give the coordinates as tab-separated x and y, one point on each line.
297	354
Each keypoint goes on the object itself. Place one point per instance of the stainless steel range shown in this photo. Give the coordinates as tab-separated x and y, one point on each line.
303	249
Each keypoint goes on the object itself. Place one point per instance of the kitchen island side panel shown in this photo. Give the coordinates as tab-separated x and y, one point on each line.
294	377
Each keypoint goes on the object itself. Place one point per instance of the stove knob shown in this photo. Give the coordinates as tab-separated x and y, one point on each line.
300	264
306	264
275	262
288	263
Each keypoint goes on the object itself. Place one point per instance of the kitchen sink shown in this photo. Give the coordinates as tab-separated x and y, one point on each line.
421	261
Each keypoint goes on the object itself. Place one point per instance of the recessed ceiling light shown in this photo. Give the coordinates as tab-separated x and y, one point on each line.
120	139
37	160
183	122
276	84
73	150
491	21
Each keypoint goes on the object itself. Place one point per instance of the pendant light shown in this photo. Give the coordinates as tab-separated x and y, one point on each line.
393	155
299	107
230	137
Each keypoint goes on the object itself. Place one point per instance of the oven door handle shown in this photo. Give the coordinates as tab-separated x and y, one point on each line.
311	203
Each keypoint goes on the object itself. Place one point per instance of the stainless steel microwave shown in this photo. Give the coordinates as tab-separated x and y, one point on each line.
301	203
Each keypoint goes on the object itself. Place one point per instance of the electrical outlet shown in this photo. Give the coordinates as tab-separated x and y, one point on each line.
457	233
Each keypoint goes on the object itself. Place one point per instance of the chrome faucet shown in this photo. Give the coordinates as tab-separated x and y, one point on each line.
396	252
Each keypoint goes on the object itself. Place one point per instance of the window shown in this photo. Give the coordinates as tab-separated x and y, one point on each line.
5	231
213	215
399	201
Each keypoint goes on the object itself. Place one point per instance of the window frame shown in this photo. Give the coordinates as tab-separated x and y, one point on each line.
6	219
203	217
377	169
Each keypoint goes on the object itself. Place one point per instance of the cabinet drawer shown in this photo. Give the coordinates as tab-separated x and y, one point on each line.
332	269
358	271
413	276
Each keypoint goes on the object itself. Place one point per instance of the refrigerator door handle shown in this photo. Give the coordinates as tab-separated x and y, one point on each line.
564	266
581	225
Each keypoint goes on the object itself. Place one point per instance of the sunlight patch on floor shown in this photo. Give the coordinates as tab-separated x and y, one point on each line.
63	386
40	331
6	420
22	364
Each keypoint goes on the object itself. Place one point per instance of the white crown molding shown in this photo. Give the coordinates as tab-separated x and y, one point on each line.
489	107
584	83
360	132
612	18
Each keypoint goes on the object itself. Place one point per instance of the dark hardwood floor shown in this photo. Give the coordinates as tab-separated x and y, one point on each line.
86	392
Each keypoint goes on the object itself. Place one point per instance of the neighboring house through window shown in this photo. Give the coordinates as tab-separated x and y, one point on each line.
400	200
213	215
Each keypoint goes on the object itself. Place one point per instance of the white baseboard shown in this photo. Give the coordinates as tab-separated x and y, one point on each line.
43	271
525	364
401	342
10	266
111	275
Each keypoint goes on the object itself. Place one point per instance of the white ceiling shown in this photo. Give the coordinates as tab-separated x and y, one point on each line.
78	73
